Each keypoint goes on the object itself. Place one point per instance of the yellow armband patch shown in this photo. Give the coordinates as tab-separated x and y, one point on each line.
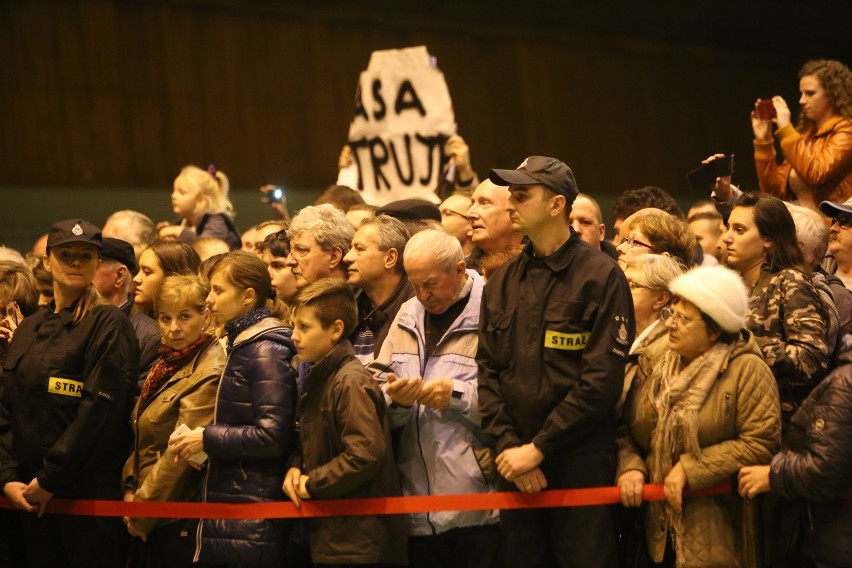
63	386
566	341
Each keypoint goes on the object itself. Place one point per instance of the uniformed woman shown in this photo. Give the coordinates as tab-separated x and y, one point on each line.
65	398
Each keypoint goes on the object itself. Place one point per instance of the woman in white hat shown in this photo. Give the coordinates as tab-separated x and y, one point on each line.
708	406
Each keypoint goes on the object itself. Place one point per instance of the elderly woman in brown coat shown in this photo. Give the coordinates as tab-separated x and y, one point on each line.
180	390
706	408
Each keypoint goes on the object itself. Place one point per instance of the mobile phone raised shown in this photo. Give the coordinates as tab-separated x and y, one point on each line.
765	109
704	176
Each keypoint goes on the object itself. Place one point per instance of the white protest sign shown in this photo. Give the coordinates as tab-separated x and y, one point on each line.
403	117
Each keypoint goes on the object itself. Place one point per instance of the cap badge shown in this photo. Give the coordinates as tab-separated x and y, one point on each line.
524	163
77	230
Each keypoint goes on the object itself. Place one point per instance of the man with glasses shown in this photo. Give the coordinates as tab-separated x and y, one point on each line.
840	238
320	236
454	219
554	336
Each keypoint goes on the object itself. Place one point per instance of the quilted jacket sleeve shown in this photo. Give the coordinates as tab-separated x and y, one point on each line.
821	471
265	431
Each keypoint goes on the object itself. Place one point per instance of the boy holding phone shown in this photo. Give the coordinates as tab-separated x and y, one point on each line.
344	434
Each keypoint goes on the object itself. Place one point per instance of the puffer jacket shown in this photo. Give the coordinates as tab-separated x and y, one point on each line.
818	466
822	158
739	424
249	444
440	452
187	397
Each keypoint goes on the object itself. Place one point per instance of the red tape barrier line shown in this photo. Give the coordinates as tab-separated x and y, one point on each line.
352	507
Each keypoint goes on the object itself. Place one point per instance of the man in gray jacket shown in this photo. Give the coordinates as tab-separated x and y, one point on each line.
428	369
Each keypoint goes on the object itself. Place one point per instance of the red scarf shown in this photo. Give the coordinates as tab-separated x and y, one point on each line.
170	361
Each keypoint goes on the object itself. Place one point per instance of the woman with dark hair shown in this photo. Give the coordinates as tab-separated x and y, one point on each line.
706	407
786	314
65	395
818	154
161	259
252	434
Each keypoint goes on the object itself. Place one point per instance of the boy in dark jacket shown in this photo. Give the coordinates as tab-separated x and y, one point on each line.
344	433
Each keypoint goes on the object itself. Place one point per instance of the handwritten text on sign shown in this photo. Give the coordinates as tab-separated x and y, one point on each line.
403	117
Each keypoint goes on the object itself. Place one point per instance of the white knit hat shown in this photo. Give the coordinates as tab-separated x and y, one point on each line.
718	292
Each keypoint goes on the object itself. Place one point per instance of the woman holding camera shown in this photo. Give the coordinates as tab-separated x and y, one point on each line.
818	154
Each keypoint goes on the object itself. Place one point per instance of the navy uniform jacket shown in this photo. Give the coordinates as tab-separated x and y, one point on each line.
554	337
65	398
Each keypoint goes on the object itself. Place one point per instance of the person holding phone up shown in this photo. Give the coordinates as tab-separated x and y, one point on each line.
817	162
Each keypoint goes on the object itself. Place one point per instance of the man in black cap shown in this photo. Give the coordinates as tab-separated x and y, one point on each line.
415	214
114	280
556	327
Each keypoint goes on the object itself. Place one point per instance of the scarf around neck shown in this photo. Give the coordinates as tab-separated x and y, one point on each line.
239	324
169	363
683	390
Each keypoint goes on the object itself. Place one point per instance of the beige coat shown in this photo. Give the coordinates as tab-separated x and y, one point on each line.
188	397
739	424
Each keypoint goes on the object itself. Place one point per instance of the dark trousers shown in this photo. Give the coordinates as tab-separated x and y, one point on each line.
168	546
570	536
11	539
467	547
75	541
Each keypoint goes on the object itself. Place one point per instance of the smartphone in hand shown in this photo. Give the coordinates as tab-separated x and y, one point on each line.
701	178
765	110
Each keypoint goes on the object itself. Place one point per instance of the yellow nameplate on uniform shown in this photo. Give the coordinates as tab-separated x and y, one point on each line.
68	387
566	341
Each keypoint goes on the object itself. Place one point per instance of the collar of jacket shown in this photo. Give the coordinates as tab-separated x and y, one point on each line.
189	367
558	261
376	316
65	314
260	328
320	372
413	312
829	125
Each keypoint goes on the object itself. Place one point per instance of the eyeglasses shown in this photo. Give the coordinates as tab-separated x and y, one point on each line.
679	319
634	286
631	243
451	212
843	222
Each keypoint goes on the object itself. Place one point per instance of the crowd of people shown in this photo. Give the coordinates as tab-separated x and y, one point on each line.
497	341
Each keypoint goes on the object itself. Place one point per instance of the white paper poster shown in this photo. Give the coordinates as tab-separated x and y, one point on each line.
403	117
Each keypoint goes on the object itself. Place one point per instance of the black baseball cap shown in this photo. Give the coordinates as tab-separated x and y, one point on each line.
120	251
411	209
74	231
549	172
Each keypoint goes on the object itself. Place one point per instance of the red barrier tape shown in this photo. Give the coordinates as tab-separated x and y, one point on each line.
353	507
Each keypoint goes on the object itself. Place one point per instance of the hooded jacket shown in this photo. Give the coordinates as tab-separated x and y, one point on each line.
249	444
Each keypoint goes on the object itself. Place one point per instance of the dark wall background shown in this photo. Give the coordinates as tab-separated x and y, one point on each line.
102	102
